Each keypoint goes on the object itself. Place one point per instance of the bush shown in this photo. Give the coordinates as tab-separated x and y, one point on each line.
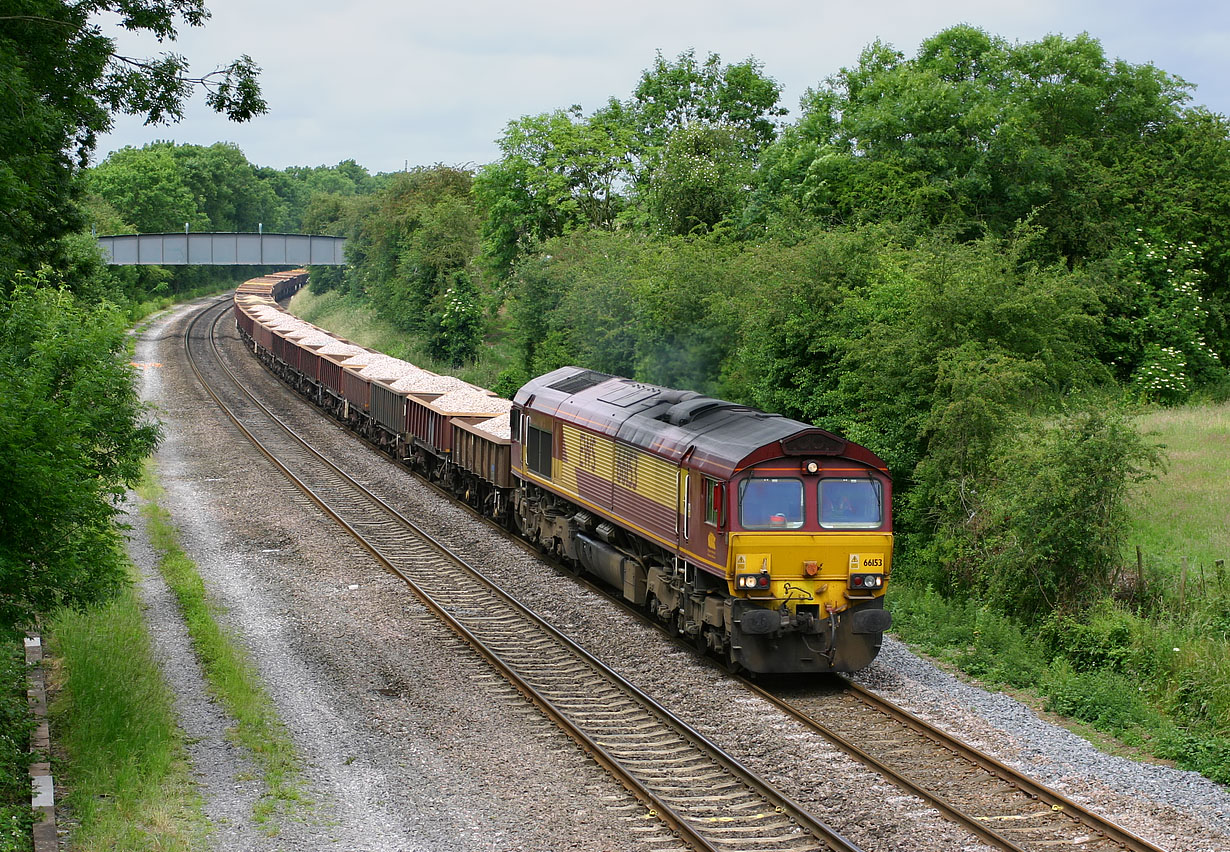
1108	700
1208	755
1046	531
979	640
1098	638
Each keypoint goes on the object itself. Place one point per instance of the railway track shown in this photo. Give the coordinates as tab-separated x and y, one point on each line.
1003	807
702	793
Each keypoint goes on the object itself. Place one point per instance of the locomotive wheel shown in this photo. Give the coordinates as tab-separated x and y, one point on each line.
732	665
702	639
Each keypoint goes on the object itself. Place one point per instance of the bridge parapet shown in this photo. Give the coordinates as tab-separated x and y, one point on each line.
223	250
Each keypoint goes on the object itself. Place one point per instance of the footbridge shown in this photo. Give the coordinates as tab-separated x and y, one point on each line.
257	249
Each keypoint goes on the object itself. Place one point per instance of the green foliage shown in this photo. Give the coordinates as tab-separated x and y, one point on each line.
148	185
16	815
1208	755
960	631
412	250
977	135
1100	637
655	309
1046	528
1106	699
674	95
72	436
1163	325
460	328
699	180
560	171
675	157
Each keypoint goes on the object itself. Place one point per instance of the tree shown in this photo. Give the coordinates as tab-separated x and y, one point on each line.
148	185
976	135
62	82
700	180
560	171
72	436
674	95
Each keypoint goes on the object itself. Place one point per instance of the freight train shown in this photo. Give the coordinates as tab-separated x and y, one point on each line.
766	541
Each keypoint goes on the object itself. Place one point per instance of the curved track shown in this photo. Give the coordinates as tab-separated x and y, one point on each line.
697	789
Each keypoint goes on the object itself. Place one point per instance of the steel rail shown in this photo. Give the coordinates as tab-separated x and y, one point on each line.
599	750
1058	802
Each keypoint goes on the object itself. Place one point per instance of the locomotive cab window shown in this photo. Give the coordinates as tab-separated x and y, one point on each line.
771	504
851	504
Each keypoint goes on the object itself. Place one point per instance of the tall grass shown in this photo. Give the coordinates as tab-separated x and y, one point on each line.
1184	513
231	677
127	772
355	320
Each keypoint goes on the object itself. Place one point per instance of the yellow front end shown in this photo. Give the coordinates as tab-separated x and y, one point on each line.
809	569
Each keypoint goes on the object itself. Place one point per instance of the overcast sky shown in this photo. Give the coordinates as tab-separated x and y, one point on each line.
395	83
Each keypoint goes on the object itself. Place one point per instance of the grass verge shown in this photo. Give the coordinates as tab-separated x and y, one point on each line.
1160	690
1182	514
232	679
126	771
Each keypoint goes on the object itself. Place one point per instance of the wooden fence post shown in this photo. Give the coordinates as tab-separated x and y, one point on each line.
1183	585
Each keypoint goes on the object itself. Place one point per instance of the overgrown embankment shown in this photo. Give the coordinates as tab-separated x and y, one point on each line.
125	760
1149	666
16	816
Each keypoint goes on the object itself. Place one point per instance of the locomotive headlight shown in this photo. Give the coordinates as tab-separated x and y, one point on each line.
753	581
866	581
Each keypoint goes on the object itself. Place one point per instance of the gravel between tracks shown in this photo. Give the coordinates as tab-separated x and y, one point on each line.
411	743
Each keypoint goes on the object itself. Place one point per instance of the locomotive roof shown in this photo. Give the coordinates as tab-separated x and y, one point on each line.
717	437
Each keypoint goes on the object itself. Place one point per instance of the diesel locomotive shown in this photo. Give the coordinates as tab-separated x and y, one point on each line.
765	540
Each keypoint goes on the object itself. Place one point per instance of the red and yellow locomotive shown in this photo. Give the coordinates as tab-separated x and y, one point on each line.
767	540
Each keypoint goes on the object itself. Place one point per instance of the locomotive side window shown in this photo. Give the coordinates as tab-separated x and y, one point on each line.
538	451
687	505
713	502
851	504
771	504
